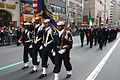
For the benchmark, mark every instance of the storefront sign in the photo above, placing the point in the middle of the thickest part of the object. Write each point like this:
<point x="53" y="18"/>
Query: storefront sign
<point x="9" y="6"/>
<point x="2" y="5"/>
<point x="28" y="18"/>
<point x="84" y="22"/>
<point x="26" y="8"/>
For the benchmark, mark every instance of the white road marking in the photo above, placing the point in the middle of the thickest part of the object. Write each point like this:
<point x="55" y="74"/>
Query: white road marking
<point x="98" y="68"/>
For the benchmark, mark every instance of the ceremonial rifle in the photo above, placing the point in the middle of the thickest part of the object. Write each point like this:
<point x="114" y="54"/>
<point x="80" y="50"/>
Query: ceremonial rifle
<point x="65" y="28"/>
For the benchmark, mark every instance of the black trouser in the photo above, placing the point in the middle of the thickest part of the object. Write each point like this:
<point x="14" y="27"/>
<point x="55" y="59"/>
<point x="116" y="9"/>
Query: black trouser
<point x="115" y="35"/>
<point x="27" y="51"/>
<point x="105" y="40"/>
<point x="91" y="41"/>
<point x="35" y="51"/>
<point x="110" y="38"/>
<point x="2" y="40"/>
<point x="47" y="53"/>
<point x="88" y="39"/>
<point x="100" y="44"/>
<point x="82" y="40"/>
<point x="58" y="62"/>
<point x="96" y="39"/>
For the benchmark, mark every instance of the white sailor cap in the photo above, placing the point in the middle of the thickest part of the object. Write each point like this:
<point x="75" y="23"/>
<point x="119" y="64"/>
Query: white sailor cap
<point x="36" y="18"/>
<point x="26" y="23"/>
<point x="61" y="23"/>
<point x="46" y="20"/>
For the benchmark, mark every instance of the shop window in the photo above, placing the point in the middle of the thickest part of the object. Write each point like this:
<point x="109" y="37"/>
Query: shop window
<point x="5" y="18"/>
<point x="56" y="8"/>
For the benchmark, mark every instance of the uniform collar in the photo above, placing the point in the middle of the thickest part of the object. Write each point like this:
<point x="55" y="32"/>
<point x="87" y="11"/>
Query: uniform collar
<point x="37" y="25"/>
<point x="46" y="29"/>
<point x="60" y="32"/>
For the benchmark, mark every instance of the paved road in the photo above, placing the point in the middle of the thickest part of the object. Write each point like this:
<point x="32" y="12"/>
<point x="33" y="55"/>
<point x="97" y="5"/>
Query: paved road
<point x="84" y="61"/>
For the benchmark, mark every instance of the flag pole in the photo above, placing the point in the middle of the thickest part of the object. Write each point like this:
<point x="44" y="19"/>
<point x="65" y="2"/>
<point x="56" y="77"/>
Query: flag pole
<point x="34" y="15"/>
<point x="65" y="28"/>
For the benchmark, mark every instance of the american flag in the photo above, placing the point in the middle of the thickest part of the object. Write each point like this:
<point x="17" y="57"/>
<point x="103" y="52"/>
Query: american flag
<point x="35" y="7"/>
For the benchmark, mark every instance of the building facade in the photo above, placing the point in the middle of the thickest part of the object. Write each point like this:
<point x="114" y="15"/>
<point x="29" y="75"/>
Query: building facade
<point x="114" y="13"/>
<point x="96" y="9"/>
<point x="75" y="10"/>
<point x="9" y="13"/>
<point x="58" y="8"/>
<point x="107" y="11"/>
<point x="26" y="11"/>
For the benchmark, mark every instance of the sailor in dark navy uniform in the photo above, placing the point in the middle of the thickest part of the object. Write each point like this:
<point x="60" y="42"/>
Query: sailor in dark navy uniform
<point x="82" y="33"/>
<point x="87" y="31"/>
<point x="26" y="39"/>
<point x="37" y="44"/>
<point x="50" y="37"/>
<point x="64" y="54"/>
<point x="105" y="35"/>
<point x="100" y="37"/>
<point x="95" y="35"/>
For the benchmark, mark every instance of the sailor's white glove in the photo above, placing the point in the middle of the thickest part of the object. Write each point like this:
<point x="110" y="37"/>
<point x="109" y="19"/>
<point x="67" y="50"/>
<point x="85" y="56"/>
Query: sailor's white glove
<point x="53" y="52"/>
<point x="19" y="41"/>
<point x="41" y="47"/>
<point x="61" y="51"/>
<point x="26" y="30"/>
<point x="35" y="41"/>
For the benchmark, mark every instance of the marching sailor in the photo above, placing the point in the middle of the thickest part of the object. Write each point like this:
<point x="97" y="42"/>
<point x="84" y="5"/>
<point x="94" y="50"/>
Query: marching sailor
<point x="37" y="43"/>
<point x="26" y="39"/>
<point x="64" y="54"/>
<point x="50" y="37"/>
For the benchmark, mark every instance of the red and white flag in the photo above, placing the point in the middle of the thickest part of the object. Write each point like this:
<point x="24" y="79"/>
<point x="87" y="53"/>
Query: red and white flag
<point x="35" y="6"/>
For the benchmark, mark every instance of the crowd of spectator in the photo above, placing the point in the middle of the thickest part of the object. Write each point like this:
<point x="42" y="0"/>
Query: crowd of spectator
<point x="10" y="35"/>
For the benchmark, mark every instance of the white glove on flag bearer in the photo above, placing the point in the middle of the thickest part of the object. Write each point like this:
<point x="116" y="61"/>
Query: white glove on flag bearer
<point x="61" y="51"/>
<point x="26" y="31"/>
<point x="19" y="41"/>
<point x="53" y="52"/>
<point x="41" y="47"/>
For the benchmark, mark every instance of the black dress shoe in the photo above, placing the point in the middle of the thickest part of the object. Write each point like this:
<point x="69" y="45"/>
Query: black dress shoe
<point x="25" y="67"/>
<point x="90" y="46"/>
<point x="68" y="76"/>
<point x="81" y="45"/>
<point x="33" y="71"/>
<point x="42" y="76"/>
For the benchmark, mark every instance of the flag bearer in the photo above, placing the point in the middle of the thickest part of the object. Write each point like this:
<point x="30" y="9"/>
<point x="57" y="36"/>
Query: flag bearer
<point x="64" y="54"/>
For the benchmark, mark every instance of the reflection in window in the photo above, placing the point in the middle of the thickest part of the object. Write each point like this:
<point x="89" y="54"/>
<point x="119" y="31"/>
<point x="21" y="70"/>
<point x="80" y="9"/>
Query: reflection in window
<point x="56" y="9"/>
